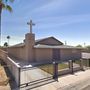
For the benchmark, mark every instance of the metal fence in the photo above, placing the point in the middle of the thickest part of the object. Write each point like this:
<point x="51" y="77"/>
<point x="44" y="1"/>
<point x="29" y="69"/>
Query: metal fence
<point x="36" y="75"/>
<point x="70" y="66"/>
<point x="41" y="74"/>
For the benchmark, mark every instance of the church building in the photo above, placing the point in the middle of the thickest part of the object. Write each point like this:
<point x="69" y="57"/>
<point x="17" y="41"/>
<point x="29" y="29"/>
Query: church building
<point x="43" y="50"/>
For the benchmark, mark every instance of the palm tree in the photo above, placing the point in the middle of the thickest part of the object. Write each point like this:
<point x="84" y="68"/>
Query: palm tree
<point x="5" y="44"/>
<point x="4" y="4"/>
<point x="8" y="37"/>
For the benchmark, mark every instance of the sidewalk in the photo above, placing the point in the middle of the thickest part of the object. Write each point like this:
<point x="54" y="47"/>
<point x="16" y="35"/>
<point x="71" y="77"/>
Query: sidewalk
<point x="78" y="81"/>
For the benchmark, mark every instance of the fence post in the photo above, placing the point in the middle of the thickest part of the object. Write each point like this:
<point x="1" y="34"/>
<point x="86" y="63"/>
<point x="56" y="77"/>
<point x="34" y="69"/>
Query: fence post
<point x="55" y="76"/>
<point x="71" y="66"/>
<point x="72" y="70"/>
<point x="19" y="76"/>
<point x="89" y="62"/>
<point x="81" y="64"/>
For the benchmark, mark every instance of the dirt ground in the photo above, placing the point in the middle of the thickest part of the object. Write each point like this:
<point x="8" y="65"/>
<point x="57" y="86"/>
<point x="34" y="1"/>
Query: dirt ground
<point x="4" y="80"/>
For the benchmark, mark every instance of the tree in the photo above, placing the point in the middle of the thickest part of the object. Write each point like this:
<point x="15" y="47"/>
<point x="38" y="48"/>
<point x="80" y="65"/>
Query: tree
<point x="8" y="37"/>
<point x="79" y="45"/>
<point x="4" y="4"/>
<point x="88" y="48"/>
<point x="5" y="44"/>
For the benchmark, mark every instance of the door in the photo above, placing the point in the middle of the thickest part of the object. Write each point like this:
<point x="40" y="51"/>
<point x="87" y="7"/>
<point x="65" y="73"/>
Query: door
<point x="56" y="54"/>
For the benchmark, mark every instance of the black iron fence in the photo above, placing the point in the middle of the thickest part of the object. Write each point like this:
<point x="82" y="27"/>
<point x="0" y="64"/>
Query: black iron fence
<point x="41" y="74"/>
<point x="36" y="75"/>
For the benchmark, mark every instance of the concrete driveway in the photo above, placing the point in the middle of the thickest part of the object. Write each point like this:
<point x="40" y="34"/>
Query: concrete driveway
<point x="32" y="74"/>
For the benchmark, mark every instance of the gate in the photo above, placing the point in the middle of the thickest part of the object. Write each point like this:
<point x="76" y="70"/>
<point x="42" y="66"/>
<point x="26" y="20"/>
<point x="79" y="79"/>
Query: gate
<point x="36" y="75"/>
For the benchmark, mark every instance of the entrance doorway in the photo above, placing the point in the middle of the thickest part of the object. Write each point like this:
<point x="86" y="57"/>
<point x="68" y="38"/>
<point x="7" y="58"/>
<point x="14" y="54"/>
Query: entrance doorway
<point x="56" y="54"/>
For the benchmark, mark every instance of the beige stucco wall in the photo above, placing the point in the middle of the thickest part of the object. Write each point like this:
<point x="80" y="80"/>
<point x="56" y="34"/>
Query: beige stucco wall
<point x="43" y="54"/>
<point x="25" y="52"/>
<point x="29" y="44"/>
<point x="18" y="52"/>
<point x="66" y="54"/>
<point x="12" y="66"/>
<point x="31" y="54"/>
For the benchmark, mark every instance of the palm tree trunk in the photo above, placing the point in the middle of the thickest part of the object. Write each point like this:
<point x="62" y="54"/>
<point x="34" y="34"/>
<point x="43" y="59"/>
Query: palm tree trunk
<point x="8" y="42"/>
<point x="0" y="22"/>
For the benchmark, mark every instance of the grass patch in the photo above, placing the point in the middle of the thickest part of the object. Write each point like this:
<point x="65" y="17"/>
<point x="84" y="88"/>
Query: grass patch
<point x="86" y="63"/>
<point x="77" y="62"/>
<point x="49" y="67"/>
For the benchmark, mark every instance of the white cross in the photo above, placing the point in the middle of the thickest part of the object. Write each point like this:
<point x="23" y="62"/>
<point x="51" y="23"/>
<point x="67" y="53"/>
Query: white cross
<point x="31" y="24"/>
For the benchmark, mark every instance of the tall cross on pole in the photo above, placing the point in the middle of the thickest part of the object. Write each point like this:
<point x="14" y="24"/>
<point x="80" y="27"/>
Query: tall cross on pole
<point x="31" y="24"/>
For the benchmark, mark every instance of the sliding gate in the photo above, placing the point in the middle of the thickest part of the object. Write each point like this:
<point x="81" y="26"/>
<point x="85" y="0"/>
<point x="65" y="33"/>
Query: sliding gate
<point x="37" y="75"/>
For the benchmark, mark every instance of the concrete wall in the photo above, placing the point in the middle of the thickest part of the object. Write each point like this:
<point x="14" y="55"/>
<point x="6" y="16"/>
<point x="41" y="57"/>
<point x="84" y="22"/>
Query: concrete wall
<point x="67" y="54"/>
<point x="24" y="52"/>
<point x="3" y="55"/>
<point x="18" y="52"/>
<point x="43" y="54"/>
<point x="29" y="44"/>
<point x="68" y="71"/>
<point x="13" y="67"/>
<point x="30" y="54"/>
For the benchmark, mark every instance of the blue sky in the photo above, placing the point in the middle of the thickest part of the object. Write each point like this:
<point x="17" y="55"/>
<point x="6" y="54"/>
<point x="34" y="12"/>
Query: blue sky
<point x="67" y="20"/>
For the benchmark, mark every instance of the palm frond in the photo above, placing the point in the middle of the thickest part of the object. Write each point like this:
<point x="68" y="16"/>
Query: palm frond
<point x="7" y="7"/>
<point x="3" y="6"/>
<point x="0" y="2"/>
<point x="8" y="37"/>
<point x="6" y="0"/>
<point x="9" y="1"/>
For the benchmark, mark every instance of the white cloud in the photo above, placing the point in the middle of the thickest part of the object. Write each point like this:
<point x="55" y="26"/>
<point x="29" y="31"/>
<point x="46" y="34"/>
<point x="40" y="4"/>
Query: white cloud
<point x="54" y="6"/>
<point x="62" y="20"/>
